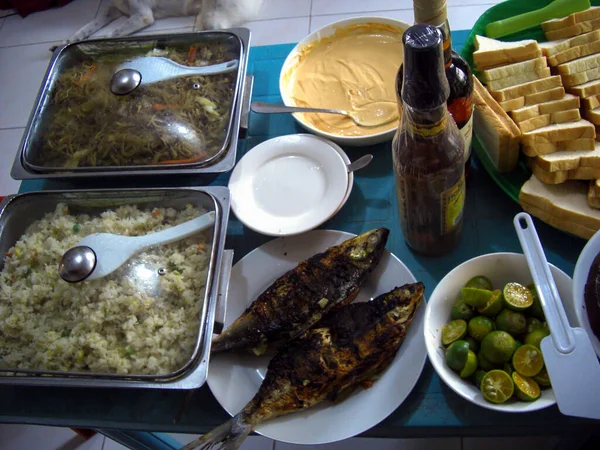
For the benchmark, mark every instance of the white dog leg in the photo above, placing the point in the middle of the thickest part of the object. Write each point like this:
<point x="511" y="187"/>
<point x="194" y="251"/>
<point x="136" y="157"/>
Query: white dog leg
<point x="135" y="23"/>
<point x="99" y="22"/>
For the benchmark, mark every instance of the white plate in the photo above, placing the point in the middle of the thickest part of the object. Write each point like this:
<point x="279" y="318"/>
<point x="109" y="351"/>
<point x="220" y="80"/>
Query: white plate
<point x="288" y="185"/>
<point x="234" y="378"/>
<point x="582" y="269"/>
<point x="500" y="268"/>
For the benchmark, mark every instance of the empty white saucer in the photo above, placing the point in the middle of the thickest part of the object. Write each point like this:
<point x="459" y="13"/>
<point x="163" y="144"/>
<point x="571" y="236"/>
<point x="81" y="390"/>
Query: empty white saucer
<point x="289" y="184"/>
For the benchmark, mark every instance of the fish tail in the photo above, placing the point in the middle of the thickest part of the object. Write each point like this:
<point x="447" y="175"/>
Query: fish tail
<point x="230" y="435"/>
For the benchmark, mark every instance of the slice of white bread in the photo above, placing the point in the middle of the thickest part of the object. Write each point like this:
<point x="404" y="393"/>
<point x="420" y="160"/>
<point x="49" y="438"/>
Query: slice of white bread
<point x="586" y="89"/>
<point x="592" y="115"/>
<point x="569" y="101"/>
<point x="575" y="145"/>
<point x="560" y="176"/>
<point x="579" y="65"/>
<point x="551" y="48"/>
<point x="510" y="70"/>
<point x="495" y="130"/>
<point x="591" y="102"/>
<point x="525" y="77"/>
<point x="576" y="79"/>
<point x="493" y="53"/>
<point x="571" y="19"/>
<point x="593" y="194"/>
<point x="573" y="30"/>
<point x="533" y="99"/>
<point x="571" y="115"/>
<point x="580" y="51"/>
<point x="524" y="89"/>
<point x="563" y="206"/>
<point x="559" y="132"/>
<point x="569" y="160"/>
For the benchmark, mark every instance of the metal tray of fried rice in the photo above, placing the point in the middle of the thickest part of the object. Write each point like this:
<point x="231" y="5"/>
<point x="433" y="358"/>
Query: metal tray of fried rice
<point x="147" y="325"/>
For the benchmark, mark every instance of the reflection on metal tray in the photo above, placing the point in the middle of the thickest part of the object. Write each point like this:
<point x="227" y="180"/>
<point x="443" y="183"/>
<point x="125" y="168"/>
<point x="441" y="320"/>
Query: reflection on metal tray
<point x="18" y="212"/>
<point x="188" y="124"/>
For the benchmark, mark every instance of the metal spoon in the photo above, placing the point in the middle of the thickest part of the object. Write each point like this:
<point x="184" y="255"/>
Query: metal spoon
<point x="370" y="115"/>
<point x="98" y="255"/>
<point x="151" y="69"/>
<point x="360" y="163"/>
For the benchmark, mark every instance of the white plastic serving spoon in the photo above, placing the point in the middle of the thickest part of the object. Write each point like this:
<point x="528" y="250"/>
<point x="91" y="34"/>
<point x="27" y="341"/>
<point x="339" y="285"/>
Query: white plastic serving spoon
<point x="568" y="353"/>
<point x="98" y="255"/>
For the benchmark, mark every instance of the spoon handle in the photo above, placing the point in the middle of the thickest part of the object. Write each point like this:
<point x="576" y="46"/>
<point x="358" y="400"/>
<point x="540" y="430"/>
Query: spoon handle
<point x="562" y="334"/>
<point x="269" y="108"/>
<point x="176" y="233"/>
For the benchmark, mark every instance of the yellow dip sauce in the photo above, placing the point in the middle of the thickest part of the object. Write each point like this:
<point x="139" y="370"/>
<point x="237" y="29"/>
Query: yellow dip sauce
<point x="353" y="70"/>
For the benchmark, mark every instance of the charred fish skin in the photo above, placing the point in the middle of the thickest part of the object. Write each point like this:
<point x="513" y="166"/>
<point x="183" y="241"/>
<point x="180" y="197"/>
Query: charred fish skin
<point x="349" y="349"/>
<point x="302" y="296"/>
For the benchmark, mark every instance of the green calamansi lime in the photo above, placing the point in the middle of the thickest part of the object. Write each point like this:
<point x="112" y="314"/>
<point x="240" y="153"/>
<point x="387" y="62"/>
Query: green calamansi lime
<point x="470" y="366"/>
<point x="528" y="360"/>
<point x="511" y="321"/>
<point x="526" y="388"/>
<point x="498" y="347"/>
<point x="462" y="311"/>
<point x="478" y="377"/>
<point x="497" y="386"/>
<point x="517" y="297"/>
<point x="536" y="308"/>
<point x="535" y="337"/>
<point x="457" y="354"/>
<point x="533" y="324"/>
<point x="479" y="327"/>
<point x="453" y="331"/>
<point x="542" y="378"/>
<point x="475" y="297"/>
<point x="473" y="344"/>
<point x="484" y="364"/>
<point x="494" y="304"/>
<point x="480" y="282"/>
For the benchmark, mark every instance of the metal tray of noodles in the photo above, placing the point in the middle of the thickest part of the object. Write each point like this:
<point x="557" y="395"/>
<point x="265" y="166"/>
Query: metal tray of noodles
<point x="172" y="121"/>
<point x="147" y="325"/>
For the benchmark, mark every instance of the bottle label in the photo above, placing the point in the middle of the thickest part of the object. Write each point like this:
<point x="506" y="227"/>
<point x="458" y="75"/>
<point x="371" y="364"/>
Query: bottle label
<point x="428" y="131"/>
<point x="467" y="134"/>
<point x="452" y="206"/>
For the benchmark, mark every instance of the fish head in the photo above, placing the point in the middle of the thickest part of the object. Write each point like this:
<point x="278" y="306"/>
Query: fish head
<point x="368" y="247"/>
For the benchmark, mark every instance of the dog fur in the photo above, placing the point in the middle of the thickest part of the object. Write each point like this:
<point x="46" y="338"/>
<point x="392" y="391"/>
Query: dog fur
<point x="210" y="15"/>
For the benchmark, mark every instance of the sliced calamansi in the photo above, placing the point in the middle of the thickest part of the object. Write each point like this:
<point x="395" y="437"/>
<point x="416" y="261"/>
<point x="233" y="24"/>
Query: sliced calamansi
<point x="527" y="389"/>
<point x="528" y="360"/>
<point x="480" y="282"/>
<point x="542" y="378"/>
<point x="453" y="331"/>
<point x="493" y="306"/>
<point x="470" y="366"/>
<point x="497" y="386"/>
<point x="517" y="296"/>
<point x="475" y="297"/>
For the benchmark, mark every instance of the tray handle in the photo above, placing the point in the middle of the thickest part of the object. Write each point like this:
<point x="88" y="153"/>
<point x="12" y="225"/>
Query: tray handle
<point x="221" y="306"/>
<point x="246" y="99"/>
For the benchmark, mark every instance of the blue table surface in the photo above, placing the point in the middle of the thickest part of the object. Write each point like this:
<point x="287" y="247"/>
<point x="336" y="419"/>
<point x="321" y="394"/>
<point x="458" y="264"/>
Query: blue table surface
<point x="431" y="409"/>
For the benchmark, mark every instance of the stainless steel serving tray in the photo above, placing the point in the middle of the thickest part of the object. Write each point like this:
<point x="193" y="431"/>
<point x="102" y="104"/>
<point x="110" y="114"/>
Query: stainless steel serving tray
<point x="23" y="168"/>
<point x="17" y="212"/>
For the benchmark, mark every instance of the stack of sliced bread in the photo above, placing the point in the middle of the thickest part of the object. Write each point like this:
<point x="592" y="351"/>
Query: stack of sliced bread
<point x="573" y="52"/>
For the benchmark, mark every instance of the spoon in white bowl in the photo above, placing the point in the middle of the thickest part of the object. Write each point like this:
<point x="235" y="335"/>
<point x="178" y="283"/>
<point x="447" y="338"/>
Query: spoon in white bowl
<point x="98" y="255"/>
<point x="371" y="115"/>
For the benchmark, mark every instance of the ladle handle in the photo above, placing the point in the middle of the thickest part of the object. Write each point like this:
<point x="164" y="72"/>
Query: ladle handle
<point x="177" y="232"/>
<point x="270" y="108"/>
<point x="561" y="332"/>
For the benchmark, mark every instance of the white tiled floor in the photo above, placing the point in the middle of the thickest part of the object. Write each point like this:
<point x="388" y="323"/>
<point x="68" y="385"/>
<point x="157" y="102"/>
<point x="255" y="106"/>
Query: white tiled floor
<point x="24" y="56"/>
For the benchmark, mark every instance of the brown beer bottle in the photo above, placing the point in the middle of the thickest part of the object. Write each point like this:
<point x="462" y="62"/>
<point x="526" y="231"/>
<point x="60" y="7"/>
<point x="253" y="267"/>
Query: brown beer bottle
<point x="458" y="72"/>
<point x="428" y="150"/>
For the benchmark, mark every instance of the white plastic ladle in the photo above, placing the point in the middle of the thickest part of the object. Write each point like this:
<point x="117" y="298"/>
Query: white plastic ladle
<point x="98" y="255"/>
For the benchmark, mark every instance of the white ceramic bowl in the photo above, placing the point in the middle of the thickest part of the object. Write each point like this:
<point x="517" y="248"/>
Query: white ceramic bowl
<point x="285" y="88"/>
<point x="500" y="268"/>
<point x="582" y="269"/>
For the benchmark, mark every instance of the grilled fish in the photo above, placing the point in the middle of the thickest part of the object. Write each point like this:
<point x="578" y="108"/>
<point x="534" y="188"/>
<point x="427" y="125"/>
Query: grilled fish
<point x="349" y="348"/>
<point x="298" y="299"/>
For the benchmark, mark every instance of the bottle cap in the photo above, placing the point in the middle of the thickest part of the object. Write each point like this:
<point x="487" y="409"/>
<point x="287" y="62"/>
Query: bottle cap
<point x="425" y="85"/>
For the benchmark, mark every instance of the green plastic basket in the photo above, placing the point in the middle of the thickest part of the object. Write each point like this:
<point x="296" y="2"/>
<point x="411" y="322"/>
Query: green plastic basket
<point x="509" y="182"/>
